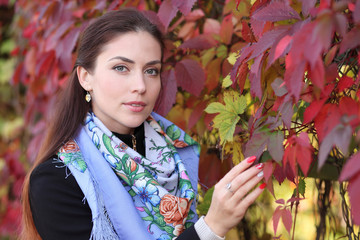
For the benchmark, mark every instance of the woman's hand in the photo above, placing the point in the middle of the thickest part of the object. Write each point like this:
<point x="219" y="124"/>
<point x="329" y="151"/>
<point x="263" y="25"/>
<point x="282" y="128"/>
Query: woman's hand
<point x="232" y="196"/>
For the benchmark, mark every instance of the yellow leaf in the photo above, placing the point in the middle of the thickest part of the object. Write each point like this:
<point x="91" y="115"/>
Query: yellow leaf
<point x="232" y="58"/>
<point x="226" y="82"/>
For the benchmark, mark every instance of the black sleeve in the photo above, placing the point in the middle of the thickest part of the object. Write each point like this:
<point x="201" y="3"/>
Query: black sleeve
<point x="57" y="204"/>
<point x="189" y="234"/>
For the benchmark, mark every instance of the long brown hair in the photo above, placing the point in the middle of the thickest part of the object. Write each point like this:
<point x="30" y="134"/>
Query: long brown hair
<point x="71" y="108"/>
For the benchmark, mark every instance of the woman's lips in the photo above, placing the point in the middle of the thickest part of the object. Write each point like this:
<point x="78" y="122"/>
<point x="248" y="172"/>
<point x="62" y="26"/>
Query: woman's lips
<point x="135" y="106"/>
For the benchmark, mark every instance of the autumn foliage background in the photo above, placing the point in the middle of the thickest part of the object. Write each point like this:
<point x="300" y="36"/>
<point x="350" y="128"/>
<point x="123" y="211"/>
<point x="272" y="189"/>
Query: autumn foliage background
<point x="275" y="79"/>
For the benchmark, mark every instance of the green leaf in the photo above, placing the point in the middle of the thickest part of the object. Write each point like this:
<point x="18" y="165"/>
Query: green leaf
<point x="203" y="207"/>
<point x="107" y="144"/>
<point x="147" y="211"/>
<point x="302" y="187"/>
<point x="215" y="107"/>
<point x="226" y="82"/>
<point x="234" y="102"/>
<point x="188" y="224"/>
<point x="173" y="132"/>
<point x="159" y="220"/>
<point x="142" y="174"/>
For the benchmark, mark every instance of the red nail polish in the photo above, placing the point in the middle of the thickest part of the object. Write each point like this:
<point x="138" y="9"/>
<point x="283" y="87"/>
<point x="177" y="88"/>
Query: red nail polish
<point x="262" y="186"/>
<point x="259" y="166"/>
<point x="251" y="159"/>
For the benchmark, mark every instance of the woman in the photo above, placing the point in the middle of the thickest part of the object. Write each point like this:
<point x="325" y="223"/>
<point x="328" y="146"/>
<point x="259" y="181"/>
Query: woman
<point x="109" y="167"/>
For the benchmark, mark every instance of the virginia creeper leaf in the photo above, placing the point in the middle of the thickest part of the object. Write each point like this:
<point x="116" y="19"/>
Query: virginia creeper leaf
<point x="200" y="42"/>
<point x="307" y="5"/>
<point x="279" y="87"/>
<point x="339" y="136"/>
<point x="276" y="11"/>
<point x="168" y="92"/>
<point x="226" y="29"/>
<point x="276" y="217"/>
<point x="287" y="219"/>
<point x="313" y="109"/>
<point x="184" y="6"/>
<point x="167" y="12"/>
<point x="275" y="146"/>
<point x="351" y="168"/>
<point x="190" y="76"/>
<point x="354" y="194"/>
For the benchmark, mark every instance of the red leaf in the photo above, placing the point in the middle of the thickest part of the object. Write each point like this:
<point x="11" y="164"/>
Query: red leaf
<point x="167" y="12"/>
<point x="184" y="6"/>
<point x="190" y="76"/>
<point x="226" y="29"/>
<point x="351" y="168"/>
<point x="276" y="11"/>
<point x="313" y="109"/>
<point x="294" y="76"/>
<point x="354" y="194"/>
<point x="307" y="5"/>
<point x="154" y="18"/>
<point x="197" y="113"/>
<point x="328" y="117"/>
<point x="279" y="174"/>
<point x="344" y="83"/>
<point x="280" y="201"/>
<point x="201" y="42"/>
<point x="304" y="152"/>
<point x="268" y="170"/>
<point x="168" y="92"/>
<point x="286" y="111"/>
<point x="350" y="111"/>
<point x="287" y="219"/>
<point x="317" y="73"/>
<point x="195" y="15"/>
<point x="246" y="32"/>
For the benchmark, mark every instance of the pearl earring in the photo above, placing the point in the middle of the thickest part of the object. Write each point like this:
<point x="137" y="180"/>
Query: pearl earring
<point x="87" y="97"/>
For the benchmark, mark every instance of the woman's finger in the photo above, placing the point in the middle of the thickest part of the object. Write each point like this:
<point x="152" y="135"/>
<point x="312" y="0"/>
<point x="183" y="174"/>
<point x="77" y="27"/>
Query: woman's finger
<point x="245" y="176"/>
<point x="246" y="188"/>
<point x="235" y="171"/>
<point x="250" y="198"/>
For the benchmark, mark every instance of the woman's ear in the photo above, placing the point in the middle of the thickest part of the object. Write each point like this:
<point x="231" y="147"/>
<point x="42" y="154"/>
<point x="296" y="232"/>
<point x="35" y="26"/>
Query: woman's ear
<point x="84" y="78"/>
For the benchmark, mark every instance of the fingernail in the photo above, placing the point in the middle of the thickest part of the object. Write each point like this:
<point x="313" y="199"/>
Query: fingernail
<point x="262" y="186"/>
<point x="259" y="166"/>
<point x="260" y="174"/>
<point x="251" y="159"/>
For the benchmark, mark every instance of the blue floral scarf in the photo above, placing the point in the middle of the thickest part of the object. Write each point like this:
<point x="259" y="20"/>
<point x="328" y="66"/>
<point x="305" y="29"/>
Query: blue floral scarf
<point x="159" y="190"/>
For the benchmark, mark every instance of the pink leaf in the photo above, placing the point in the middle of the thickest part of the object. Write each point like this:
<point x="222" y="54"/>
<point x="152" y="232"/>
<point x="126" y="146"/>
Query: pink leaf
<point x="276" y="218"/>
<point x="255" y="77"/>
<point x="317" y="73"/>
<point x="354" y="194"/>
<point x="307" y="5"/>
<point x="286" y="111"/>
<point x="154" y="18"/>
<point x="195" y="15"/>
<point x="350" y="41"/>
<point x="190" y="76"/>
<point x="257" y="27"/>
<point x="256" y="145"/>
<point x="200" y="42"/>
<point x="276" y="11"/>
<point x="351" y="168"/>
<point x="279" y="174"/>
<point x="68" y="44"/>
<point x="279" y="87"/>
<point x="280" y="49"/>
<point x="356" y="13"/>
<point x="168" y="92"/>
<point x="339" y="136"/>
<point x="167" y="12"/>
<point x="212" y="26"/>
<point x="287" y="219"/>
<point x="184" y="6"/>
<point x="275" y="146"/>
<point x="294" y="76"/>
<point x="304" y="152"/>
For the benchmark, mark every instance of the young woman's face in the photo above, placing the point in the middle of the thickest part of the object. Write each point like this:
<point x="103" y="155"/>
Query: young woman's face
<point x="125" y="82"/>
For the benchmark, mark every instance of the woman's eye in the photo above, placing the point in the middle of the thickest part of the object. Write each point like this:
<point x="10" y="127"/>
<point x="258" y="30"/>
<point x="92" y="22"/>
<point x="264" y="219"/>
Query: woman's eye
<point x="152" y="71"/>
<point x="120" y="68"/>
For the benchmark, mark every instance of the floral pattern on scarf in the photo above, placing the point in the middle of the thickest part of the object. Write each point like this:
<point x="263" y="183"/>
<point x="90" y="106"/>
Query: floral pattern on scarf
<point x="163" y="199"/>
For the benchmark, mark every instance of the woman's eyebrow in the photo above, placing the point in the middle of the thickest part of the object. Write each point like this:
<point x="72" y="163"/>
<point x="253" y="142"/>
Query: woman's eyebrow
<point x="121" y="58"/>
<point x="131" y="61"/>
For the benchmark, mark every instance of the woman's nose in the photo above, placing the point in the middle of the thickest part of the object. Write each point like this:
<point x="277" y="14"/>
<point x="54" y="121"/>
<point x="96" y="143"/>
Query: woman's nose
<point x="138" y="84"/>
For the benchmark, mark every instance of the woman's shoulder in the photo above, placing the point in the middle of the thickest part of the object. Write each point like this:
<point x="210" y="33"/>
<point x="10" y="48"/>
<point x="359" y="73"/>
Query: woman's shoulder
<point x="52" y="175"/>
